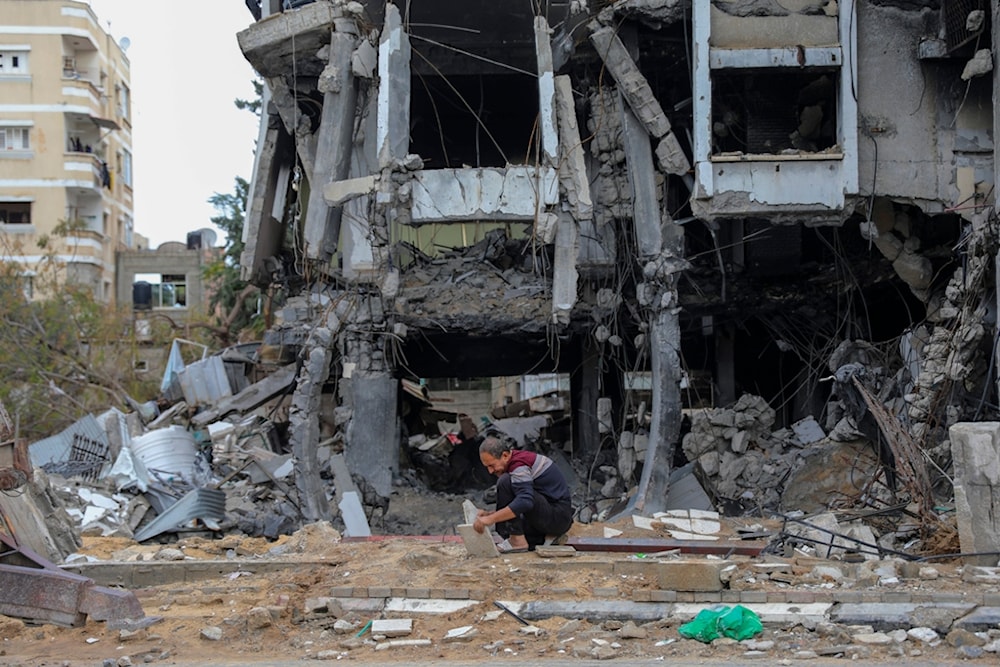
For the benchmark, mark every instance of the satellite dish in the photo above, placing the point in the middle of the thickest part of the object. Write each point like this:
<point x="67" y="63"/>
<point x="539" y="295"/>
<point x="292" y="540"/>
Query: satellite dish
<point x="124" y="43"/>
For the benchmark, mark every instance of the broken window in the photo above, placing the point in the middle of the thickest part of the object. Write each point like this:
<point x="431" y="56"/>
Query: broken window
<point x="164" y="290"/>
<point x="773" y="111"/>
<point x="473" y="101"/>
<point x="472" y="120"/>
<point x="965" y="21"/>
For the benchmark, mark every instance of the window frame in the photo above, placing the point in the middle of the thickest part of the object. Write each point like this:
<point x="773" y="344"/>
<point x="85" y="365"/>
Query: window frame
<point x="9" y="130"/>
<point x="22" y="207"/>
<point x="14" y="60"/>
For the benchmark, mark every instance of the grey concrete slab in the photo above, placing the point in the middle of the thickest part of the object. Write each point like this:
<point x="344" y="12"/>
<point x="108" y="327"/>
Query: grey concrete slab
<point x="479" y="545"/>
<point x="980" y="619"/>
<point x="591" y="610"/>
<point x="885" y="616"/>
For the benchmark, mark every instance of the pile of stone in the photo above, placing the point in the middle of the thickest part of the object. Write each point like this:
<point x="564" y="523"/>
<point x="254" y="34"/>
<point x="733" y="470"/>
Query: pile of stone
<point x="738" y="455"/>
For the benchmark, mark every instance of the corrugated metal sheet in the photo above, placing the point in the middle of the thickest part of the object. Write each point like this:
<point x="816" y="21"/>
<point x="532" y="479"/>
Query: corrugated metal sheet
<point x="205" y="382"/>
<point x="58" y="448"/>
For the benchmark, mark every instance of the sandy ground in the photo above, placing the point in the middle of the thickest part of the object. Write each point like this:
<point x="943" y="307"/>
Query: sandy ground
<point x="261" y="618"/>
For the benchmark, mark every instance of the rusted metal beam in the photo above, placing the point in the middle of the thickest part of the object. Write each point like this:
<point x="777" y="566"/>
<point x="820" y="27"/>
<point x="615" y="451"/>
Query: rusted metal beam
<point x="653" y="545"/>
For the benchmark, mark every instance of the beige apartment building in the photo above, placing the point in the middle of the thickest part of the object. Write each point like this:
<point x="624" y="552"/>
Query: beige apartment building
<point x="65" y="142"/>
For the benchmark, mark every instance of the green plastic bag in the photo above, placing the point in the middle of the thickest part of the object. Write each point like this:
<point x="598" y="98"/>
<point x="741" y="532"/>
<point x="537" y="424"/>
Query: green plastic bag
<point x="737" y="623"/>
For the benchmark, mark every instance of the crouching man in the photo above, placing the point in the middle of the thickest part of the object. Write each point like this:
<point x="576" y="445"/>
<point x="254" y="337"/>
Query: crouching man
<point x="533" y="499"/>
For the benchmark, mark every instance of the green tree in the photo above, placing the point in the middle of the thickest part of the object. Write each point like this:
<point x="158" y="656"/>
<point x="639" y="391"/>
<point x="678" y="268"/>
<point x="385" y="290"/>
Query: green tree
<point x="61" y="353"/>
<point x="233" y="302"/>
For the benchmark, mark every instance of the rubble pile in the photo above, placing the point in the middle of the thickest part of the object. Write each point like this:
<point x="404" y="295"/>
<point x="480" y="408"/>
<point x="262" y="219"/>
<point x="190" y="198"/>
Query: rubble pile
<point x="738" y="454"/>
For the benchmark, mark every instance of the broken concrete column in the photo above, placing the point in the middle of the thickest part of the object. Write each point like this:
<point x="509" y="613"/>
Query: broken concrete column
<point x="546" y="92"/>
<point x="975" y="450"/>
<point x="642" y="177"/>
<point x="373" y="433"/>
<point x="265" y="201"/>
<point x="573" y="177"/>
<point x="304" y="425"/>
<point x="333" y="147"/>
<point x="633" y="84"/>
<point x="393" y="133"/>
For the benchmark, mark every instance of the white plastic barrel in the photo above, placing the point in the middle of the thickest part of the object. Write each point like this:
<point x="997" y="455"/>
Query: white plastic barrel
<point x="168" y="450"/>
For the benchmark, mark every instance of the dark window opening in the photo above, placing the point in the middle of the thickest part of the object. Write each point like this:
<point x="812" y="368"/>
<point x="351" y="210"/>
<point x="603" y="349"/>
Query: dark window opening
<point x="444" y="129"/>
<point x="773" y="111"/>
<point x="15" y="213"/>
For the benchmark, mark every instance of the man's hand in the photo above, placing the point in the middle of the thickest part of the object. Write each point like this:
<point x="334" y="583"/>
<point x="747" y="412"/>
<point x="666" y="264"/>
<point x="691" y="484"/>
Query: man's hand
<point x="482" y="521"/>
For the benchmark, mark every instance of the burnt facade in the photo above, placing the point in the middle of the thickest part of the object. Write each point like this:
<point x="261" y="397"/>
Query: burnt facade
<point x="728" y="197"/>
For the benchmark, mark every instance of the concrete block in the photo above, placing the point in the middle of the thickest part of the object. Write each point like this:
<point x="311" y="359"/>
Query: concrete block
<point x="478" y="545"/>
<point x="690" y="575"/>
<point x="975" y="449"/>
<point x="427" y="606"/>
<point x="980" y="620"/>
<point x="392" y="627"/>
<point x="805" y="614"/>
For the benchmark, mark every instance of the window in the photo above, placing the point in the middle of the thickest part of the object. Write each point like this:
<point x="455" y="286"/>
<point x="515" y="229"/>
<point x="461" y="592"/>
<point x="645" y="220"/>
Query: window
<point x="126" y="168"/>
<point x="165" y="290"/>
<point x="15" y="213"/>
<point x="13" y="61"/>
<point x="124" y="101"/>
<point x="129" y="230"/>
<point x="15" y="138"/>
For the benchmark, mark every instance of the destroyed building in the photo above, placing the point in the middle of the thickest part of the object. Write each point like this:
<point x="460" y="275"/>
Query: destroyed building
<point x="785" y="202"/>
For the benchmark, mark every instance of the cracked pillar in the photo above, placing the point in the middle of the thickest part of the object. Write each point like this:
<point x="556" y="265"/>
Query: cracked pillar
<point x="266" y="198"/>
<point x="393" y="133"/>
<point x="333" y="146"/>
<point x="304" y="425"/>
<point x="585" y="389"/>
<point x="372" y="393"/>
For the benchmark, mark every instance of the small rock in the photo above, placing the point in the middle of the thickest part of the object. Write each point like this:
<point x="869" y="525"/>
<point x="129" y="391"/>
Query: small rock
<point x="129" y="635"/>
<point x="967" y="651"/>
<point x="805" y="655"/>
<point x="874" y="638"/>
<point x="463" y="634"/>
<point x="925" y="635"/>
<point x="754" y="645"/>
<point x="124" y="661"/>
<point x="604" y="652"/>
<point x="898" y="636"/>
<point x="169" y="553"/>
<point x="212" y="633"/>
<point x="343" y="627"/>
<point x="929" y="573"/>
<point x="959" y="638"/>
<point x="532" y="630"/>
<point x="569" y="628"/>
<point x="258" y="618"/>
<point x="328" y="655"/>
<point x="631" y="631"/>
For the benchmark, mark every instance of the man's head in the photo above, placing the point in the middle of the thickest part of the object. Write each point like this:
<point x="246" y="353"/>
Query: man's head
<point x="495" y="455"/>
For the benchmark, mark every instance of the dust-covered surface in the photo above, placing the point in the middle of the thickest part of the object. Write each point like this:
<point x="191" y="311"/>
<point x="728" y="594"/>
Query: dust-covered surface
<point x="260" y="617"/>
